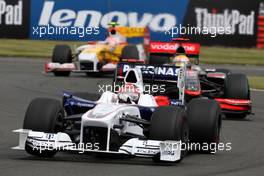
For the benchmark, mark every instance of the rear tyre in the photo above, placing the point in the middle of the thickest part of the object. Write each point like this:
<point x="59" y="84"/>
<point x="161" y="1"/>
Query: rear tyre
<point x="45" y="115"/>
<point x="169" y="123"/>
<point x="236" y="87"/>
<point x="204" y="117"/>
<point x="158" y="59"/>
<point x="62" y="54"/>
<point x="130" y="52"/>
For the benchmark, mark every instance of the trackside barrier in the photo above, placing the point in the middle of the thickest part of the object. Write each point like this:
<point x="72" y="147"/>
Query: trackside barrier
<point x="260" y="35"/>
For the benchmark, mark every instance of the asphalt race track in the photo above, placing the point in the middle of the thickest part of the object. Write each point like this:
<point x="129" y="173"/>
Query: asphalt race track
<point x="22" y="80"/>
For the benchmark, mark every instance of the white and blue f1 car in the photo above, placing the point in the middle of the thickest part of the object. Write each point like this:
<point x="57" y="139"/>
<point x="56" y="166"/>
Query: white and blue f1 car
<point x="124" y="123"/>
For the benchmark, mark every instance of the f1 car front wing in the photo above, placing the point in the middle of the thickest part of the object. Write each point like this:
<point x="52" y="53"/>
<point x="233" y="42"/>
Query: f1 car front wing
<point x="234" y="105"/>
<point x="168" y="150"/>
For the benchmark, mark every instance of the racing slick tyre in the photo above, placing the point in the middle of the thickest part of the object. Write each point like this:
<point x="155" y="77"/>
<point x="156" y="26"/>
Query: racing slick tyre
<point x="169" y="123"/>
<point x="130" y="52"/>
<point x="236" y="87"/>
<point x="204" y="118"/>
<point x="62" y="54"/>
<point x="45" y="115"/>
<point x="158" y="59"/>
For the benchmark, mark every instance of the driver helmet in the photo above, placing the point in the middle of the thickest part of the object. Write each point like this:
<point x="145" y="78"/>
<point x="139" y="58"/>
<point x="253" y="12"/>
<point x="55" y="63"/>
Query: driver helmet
<point x="114" y="37"/>
<point x="129" y="93"/>
<point x="180" y="57"/>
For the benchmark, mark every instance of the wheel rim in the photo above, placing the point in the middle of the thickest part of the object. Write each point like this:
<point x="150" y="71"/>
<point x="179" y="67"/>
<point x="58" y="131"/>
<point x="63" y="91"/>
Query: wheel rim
<point x="59" y="122"/>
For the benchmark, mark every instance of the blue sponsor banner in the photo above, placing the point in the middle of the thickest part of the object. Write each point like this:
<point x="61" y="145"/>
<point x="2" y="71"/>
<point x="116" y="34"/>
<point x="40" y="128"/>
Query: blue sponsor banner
<point x="88" y="20"/>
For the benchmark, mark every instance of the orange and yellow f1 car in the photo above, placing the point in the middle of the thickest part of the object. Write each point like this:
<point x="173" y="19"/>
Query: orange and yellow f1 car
<point x="100" y="56"/>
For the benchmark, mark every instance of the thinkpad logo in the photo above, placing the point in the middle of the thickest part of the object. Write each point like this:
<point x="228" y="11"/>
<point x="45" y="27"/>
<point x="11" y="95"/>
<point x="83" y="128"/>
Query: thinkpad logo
<point x="11" y="14"/>
<point x="238" y="22"/>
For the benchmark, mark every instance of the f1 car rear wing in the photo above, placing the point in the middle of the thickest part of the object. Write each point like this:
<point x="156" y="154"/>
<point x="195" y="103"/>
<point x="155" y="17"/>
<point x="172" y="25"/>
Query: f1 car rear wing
<point x="164" y="73"/>
<point x="191" y="49"/>
<point x="133" y="32"/>
<point x="155" y="74"/>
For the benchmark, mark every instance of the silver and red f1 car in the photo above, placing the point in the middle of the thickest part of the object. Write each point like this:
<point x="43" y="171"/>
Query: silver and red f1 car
<point x="231" y="90"/>
<point x="125" y="123"/>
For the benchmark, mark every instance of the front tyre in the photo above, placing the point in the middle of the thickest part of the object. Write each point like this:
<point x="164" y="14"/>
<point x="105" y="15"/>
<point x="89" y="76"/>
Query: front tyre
<point x="204" y="117"/>
<point x="44" y="115"/>
<point x="236" y="87"/>
<point x="130" y="52"/>
<point x="169" y="123"/>
<point x="62" y="54"/>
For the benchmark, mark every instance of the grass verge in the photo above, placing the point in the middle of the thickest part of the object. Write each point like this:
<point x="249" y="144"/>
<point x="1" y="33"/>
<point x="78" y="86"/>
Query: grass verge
<point x="256" y="82"/>
<point x="209" y="55"/>
<point x="223" y="55"/>
<point x="31" y="48"/>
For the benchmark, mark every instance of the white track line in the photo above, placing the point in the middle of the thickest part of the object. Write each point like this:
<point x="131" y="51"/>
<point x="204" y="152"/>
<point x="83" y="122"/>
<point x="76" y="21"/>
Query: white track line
<point x="257" y="90"/>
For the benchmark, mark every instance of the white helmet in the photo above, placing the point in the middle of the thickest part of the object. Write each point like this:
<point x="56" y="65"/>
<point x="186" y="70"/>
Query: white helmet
<point x="129" y="93"/>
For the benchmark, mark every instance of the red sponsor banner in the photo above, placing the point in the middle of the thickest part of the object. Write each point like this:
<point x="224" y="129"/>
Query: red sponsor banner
<point x="170" y="47"/>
